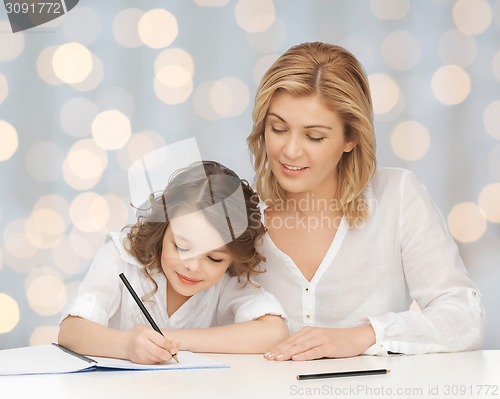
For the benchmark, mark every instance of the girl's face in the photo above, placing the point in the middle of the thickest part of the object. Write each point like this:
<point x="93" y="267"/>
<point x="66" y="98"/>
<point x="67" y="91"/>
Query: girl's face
<point x="304" y="143"/>
<point x="193" y="256"/>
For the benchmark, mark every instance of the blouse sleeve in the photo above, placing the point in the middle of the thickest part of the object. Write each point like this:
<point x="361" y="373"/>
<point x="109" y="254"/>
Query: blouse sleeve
<point x="98" y="295"/>
<point x="239" y="302"/>
<point x="452" y="316"/>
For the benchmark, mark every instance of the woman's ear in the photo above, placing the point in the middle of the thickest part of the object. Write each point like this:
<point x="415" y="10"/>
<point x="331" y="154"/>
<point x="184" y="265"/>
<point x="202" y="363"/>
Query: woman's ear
<point x="349" y="145"/>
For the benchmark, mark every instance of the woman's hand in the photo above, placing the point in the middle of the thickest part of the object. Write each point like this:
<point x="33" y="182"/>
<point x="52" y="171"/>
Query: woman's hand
<point x="316" y="342"/>
<point x="146" y="346"/>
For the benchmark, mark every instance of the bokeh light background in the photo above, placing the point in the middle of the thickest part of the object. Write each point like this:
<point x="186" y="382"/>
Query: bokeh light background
<point x="84" y="96"/>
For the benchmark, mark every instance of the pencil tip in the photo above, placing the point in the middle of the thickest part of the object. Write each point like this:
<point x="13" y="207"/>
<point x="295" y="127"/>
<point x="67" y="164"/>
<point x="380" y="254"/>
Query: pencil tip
<point x="388" y="370"/>
<point x="175" y="358"/>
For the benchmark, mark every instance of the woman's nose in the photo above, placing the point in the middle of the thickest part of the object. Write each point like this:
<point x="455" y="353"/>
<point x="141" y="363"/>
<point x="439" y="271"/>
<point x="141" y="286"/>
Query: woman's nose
<point x="293" y="147"/>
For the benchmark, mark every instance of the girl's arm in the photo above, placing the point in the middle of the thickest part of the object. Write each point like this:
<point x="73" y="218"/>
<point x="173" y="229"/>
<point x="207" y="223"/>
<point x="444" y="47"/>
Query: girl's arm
<point x="256" y="336"/>
<point x="140" y="344"/>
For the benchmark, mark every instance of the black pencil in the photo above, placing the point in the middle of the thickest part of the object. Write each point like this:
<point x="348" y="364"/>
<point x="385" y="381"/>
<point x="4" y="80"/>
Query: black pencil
<point x="143" y="308"/>
<point x="342" y="374"/>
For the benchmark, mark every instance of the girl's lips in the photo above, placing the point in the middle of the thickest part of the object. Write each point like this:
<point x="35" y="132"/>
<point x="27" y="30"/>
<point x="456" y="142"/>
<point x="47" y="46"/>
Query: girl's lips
<point x="187" y="280"/>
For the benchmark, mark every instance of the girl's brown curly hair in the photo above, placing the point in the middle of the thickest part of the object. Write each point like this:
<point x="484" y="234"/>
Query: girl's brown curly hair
<point x="197" y="188"/>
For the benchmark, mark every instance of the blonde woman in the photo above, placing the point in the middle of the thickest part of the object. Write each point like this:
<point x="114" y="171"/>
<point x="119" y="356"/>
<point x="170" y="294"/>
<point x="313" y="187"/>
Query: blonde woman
<point x="349" y="246"/>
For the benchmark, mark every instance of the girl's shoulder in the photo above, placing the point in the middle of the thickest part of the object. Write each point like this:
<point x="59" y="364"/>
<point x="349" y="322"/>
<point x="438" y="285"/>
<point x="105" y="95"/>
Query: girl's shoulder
<point x="116" y="242"/>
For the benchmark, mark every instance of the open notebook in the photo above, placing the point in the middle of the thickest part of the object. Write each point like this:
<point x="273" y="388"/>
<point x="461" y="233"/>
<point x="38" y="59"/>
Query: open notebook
<point x="56" y="359"/>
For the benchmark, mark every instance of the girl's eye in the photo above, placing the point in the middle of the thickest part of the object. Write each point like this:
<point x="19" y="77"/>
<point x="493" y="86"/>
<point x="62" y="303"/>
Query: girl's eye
<point x="316" y="139"/>
<point x="215" y="260"/>
<point x="180" y="249"/>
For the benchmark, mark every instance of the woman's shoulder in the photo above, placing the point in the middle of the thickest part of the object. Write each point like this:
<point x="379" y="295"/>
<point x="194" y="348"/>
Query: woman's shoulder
<point x="390" y="178"/>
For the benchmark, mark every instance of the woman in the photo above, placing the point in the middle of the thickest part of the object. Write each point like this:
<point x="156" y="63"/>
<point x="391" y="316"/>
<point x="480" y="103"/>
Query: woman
<point x="349" y="247"/>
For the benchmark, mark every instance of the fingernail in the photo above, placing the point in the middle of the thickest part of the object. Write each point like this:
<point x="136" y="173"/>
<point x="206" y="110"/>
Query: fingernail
<point x="267" y="354"/>
<point x="279" y="356"/>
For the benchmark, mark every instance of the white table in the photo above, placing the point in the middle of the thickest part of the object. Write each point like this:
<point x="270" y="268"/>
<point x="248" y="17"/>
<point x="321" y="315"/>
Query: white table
<point x="455" y="375"/>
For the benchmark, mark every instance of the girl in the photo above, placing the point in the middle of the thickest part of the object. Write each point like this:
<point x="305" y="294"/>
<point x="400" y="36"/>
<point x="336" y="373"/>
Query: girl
<point x="348" y="247"/>
<point x="191" y="258"/>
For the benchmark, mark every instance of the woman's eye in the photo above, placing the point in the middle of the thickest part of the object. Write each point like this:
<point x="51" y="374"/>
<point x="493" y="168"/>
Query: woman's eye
<point x="316" y="139"/>
<point x="275" y="130"/>
<point x="215" y="260"/>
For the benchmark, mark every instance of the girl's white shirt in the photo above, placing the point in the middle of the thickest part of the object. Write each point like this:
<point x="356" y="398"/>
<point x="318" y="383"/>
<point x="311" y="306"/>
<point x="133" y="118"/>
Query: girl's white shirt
<point x="371" y="274"/>
<point x="102" y="297"/>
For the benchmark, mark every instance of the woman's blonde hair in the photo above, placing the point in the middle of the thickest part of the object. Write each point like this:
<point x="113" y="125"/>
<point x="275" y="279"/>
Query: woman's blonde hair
<point x="339" y="80"/>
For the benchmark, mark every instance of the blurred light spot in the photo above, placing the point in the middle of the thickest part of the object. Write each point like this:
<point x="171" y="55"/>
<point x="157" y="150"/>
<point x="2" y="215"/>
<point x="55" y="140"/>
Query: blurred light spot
<point x="4" y="88"/>
<point x="84" y="164"/>
<point x="491" y="120"/>
<point x="157" y="28"/>
<point x="410" y="140"/>
<point x="472" y="16"/>
<point x="270" y="40"/>
<point x="385" y="92"/>
<point x="467" y="222"/>
<point x="125" y="27"/>
<point x="44" y="161"/>
<point x="44" y="334"/>
<point x="72" y="62"/>
<point x="211" y="3"/>
<point x="118" y="218"/>
<point x="494" y="162"/>
<point x="76" y="116"/>
<point x="173" y="84"/>
<point x="496" y="64"/>
<point x="46" y="294"/>
<point x="80" y="245"/>
<point x="201" y="101"/>
<point x="255" y="15"/>
<point x="451" y="84"/>
<point x="45" y="68"/>
<point x="489" y="201"/>
<point x="140" y="144"/>
<point x="229" y="97"/>
<point x="174" y="56"/>
<point x="94" y="78"/>
<point x="115" y="98"/>
<point x="111" y="129"/>
<point x="401" y="50"/>
<point x="18" y="246"/>
<point x="262" y="65"/>
<point x="84" y="33"/>
<point x="10" y="311"/>
<point x="48" y="221"/>
<point x="11" y="44"/>
<point x="67" y="260"/>
<point x="457" y="47"/>
<point x="390" y="9"/>
<point x="89" y="212"/>
<point x="8" y="138"/>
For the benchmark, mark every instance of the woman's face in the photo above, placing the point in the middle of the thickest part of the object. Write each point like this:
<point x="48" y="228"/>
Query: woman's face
<point x="304" y="143"/>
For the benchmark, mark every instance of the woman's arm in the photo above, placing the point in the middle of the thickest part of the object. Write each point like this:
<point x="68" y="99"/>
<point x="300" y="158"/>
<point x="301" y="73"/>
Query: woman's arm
<point x="256" y="336"/>
<point x="140" y="344"/>
<point x="316" y="342"/>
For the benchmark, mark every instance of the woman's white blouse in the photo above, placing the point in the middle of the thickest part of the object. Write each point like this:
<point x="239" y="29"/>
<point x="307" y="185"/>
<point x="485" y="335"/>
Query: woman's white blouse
<point x="371" y="274"/>
<point x="102" y="297"/>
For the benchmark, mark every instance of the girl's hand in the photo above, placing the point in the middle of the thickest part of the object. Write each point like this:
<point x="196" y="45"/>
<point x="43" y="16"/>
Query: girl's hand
<point x="146" y="346"/>
<point x="315" y="343"/>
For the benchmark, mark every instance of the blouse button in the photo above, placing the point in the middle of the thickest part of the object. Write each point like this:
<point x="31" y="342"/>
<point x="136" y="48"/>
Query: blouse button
<point x="308" y="315"/>
<point x="307" y="289"/>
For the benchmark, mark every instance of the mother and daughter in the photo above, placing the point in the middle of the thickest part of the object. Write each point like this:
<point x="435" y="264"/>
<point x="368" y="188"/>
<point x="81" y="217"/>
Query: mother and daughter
<point x="331" y="256"/>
